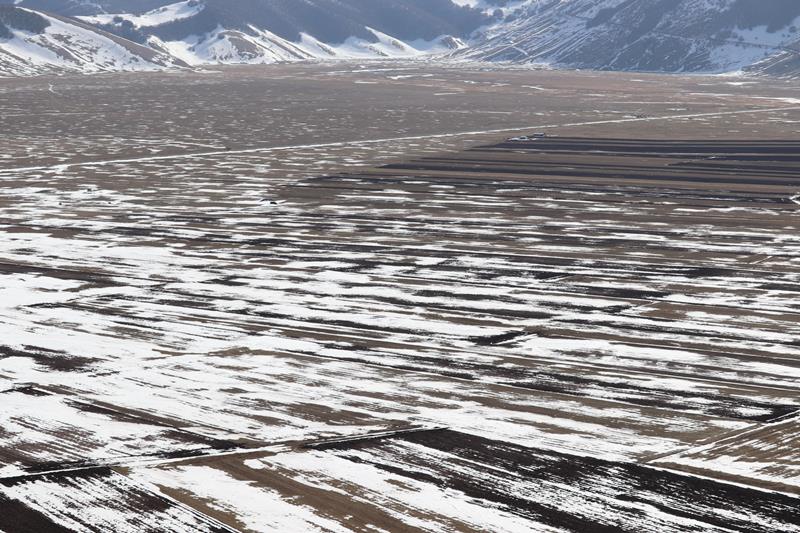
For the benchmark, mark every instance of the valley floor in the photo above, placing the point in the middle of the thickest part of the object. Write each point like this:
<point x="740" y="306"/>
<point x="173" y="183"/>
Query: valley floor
<point x="339" y="298"/>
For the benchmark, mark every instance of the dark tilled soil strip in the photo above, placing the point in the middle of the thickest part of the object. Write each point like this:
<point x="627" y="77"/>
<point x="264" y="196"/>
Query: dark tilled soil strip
<point x="87" y="489"/>
<point x="604" y="496"/>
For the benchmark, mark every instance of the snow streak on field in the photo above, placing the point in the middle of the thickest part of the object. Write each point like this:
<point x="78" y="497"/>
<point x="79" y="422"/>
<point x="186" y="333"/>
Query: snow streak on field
<point x="559" y="334"/>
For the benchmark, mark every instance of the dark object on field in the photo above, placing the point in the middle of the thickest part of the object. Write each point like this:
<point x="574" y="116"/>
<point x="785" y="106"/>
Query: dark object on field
<point x="531" y="137"/>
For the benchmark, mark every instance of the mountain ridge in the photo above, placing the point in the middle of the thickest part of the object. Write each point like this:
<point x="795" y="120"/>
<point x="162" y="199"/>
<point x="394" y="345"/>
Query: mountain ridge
<point x="641" y="35"/>
<point x="679" y="36"/>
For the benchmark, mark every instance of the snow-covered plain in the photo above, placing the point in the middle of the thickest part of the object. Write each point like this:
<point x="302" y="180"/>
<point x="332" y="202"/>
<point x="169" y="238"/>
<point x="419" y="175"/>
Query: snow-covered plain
<point x="243" y="332"/>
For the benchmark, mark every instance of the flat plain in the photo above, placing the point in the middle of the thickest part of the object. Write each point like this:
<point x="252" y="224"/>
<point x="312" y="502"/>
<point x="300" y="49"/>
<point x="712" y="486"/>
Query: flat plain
<point x="365" y="297"/>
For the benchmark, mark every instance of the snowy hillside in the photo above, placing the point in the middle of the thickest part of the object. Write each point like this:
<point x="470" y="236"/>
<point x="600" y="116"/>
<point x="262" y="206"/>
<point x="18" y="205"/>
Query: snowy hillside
<point x="647" y="35"/>
<point x="266" y="31"/>
<point x="204" y="32"/>
<point x="34" y="43"/>
<point x="262" y="46"/>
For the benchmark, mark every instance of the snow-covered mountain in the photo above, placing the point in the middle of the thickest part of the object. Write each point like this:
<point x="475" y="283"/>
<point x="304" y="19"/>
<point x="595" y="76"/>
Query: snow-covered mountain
<point x="648" y="35"/>
<point x="36" y="43"/>
<point x="265" y="31"/>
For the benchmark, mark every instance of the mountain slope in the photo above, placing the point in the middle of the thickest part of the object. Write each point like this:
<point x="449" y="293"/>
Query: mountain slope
<point x="35" y="43"/>
<point x="74" y="8"/>
<point x="647" y="35"/>
<point x="264" y="31"/>
<point x="759" y="36"/>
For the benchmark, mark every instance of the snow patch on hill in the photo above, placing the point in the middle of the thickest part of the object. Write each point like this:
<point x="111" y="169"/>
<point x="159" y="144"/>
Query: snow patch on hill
<point x="156" y="17"/>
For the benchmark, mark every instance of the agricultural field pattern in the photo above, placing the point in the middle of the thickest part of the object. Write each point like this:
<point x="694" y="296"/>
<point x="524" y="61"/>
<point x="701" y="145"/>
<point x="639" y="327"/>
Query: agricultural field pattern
<point x="399" y="297"/>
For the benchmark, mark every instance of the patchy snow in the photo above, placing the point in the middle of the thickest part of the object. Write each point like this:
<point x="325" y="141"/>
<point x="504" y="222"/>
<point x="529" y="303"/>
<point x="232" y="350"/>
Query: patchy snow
<point x="257" y="508"/>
